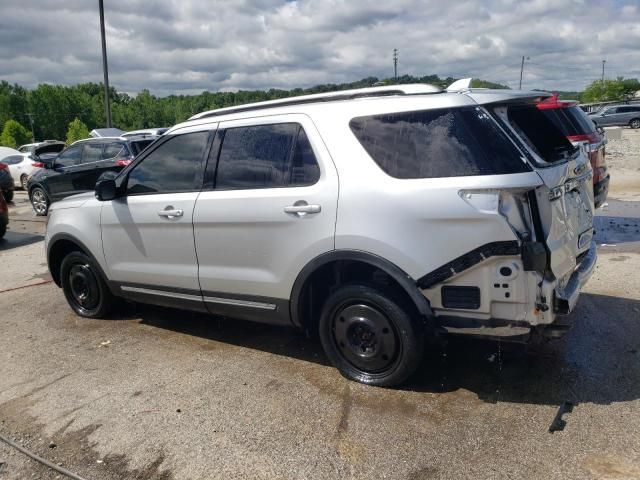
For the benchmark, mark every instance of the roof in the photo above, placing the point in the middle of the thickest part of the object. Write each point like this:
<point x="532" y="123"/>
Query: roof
<point x="7" y="151"/>
<point x="407" y="89"/>
<point x="406" y="97"/>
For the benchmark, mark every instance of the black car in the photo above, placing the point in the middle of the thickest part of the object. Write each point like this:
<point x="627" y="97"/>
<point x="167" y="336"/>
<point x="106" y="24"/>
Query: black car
<point x="77" y="168"/>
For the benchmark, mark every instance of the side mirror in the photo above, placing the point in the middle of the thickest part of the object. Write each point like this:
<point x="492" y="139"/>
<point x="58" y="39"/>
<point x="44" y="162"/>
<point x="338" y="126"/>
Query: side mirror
<point x="106" y="190"/>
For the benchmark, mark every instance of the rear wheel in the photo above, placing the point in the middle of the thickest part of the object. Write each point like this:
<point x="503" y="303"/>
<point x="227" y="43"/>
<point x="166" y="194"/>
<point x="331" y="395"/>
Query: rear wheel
<point x="635" y="123"/>
<point x="84" y="288"/>
<point x="8" y="195"/>
<point x="370" y="336"/>
<point x="23" y="181"/>
<point x="3" y="230"/>
<point x="39" y="201"/>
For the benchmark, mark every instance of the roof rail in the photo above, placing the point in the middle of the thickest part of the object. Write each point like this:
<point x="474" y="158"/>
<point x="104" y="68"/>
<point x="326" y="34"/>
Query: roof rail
<point x="387" y="90"/>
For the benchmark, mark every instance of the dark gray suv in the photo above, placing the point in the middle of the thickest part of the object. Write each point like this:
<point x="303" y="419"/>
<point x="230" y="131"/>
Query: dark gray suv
<point x="617" y="115"/>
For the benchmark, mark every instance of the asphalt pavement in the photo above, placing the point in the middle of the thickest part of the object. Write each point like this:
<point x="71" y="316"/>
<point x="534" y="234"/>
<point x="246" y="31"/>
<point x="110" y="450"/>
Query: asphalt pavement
<point x="159" y="393"/>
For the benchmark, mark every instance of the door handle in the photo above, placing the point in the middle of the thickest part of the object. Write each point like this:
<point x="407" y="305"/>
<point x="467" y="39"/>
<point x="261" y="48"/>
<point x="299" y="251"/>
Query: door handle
<point x="170" y="212"/>
<point x="303" y="209"/>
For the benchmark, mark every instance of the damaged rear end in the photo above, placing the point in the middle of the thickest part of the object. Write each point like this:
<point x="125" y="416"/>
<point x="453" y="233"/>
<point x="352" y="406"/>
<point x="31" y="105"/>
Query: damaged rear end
<point x="510" y="289"/>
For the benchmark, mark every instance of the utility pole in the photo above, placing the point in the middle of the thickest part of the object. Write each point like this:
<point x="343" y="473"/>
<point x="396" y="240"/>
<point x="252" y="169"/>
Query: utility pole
<point x="33" y="135"/>
<point x="107" y="106"/>
<point x="395" y="65"/>
<point x="521" y="70"/>
<point x="603" y="62"/>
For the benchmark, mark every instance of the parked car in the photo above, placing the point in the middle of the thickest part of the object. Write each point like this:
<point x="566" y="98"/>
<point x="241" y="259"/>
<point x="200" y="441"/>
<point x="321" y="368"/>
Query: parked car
<point x="580" y="130"/>
<point x="30" y="147"/>
<point x="145" y="132"/>
<point x="6" y="182"/>
<point x="77" y="168"/>
<point x="617" y="115"/>
<point x="23" y="165"/>
<point x="371" y="217"/>
<point x="4" y="216"/>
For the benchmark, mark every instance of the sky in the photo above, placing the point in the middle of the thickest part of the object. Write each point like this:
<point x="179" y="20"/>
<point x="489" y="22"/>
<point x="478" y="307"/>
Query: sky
<point x="187" y="46"/>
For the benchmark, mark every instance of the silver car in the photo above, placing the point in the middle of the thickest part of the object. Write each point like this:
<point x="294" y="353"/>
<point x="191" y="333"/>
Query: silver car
<point x="372" y="217"/>
<point x="617" y="115"/>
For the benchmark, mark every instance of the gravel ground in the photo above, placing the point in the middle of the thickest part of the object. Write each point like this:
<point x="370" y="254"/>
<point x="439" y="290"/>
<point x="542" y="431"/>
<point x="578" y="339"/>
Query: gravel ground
<point x="623" y="159"/>
<point x="157" y="393"/>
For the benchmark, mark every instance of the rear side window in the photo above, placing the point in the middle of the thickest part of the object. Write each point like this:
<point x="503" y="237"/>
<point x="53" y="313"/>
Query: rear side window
<point x="172" y="167"/>
<point x="140" y="145"/>
<point x="438" y="143"/>
<point x="71" y="156"/>
<point x="266" y="156"/>
<point x="12" y="160"/>
<point x="570" y="120"/>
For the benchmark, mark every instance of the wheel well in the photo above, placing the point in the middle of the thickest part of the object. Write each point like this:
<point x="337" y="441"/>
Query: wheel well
<point x="325" y="279"/>
<point x="57" y="252"/>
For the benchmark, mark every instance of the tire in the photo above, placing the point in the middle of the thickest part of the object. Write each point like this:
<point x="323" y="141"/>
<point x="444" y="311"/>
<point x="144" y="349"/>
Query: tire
<point x="39" y="201"/>
<point x="23" y="181"/>
<point x="84" y="288"/>
<point x="371" y="337"/>
<point x="8" y="195"/>
<point x="3" y="230"/>
<point x="635" y="123"/>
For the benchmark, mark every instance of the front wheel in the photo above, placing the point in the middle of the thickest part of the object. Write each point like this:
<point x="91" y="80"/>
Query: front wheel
<point x="39" y="201"/>
<point x="84" y="288"/>
<point x="370" y="336"/>
<point x="635" y="123"/>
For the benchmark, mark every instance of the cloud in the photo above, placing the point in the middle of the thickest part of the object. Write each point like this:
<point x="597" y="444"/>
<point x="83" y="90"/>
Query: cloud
<point x="185" y="46"/>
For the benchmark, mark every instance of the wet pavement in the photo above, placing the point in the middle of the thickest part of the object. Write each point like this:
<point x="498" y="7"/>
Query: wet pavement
<point x="158" y="393"/>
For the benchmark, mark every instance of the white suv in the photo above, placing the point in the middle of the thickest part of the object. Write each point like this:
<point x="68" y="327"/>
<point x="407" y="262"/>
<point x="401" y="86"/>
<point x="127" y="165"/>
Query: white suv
<point x="371" y="217"/>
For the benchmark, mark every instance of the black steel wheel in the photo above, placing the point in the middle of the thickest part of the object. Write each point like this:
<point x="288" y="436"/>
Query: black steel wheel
<point x="83" y="286"/>
<point x="39" y="201"/>
<point x="370" y="336"/>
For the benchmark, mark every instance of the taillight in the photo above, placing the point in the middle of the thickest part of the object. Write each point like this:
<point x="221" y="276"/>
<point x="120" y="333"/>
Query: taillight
<point x="37" y="165"/>
<point x="123" y="162"/>
<point x="587" y="137"/>
<point x="3" y="166"/>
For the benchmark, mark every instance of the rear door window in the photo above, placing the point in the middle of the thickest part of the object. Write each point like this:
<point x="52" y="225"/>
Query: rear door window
<point x="12" y="160"/>
<point x="71" y="156"/>
<point x="265" y="156"/>
<point x="92" y="153"/>
<point x="438" y="143"/>
<point x="113" y="150"/>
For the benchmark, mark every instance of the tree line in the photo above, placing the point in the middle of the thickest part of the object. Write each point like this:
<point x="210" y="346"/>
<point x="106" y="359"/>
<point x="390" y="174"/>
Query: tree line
<point x="48" y="111"/>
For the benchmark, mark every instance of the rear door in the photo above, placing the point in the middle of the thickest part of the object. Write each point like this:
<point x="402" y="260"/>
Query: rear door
<point x="147" y="232"/>
<point x="269" y="208"/>
<point x="565" y="201"/>
<point x="84" y="178"/>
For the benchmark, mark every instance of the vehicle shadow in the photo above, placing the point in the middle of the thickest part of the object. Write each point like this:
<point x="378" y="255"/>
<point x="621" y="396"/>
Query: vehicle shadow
<point x="598" y="361"/>
<point x="17" y="239"/>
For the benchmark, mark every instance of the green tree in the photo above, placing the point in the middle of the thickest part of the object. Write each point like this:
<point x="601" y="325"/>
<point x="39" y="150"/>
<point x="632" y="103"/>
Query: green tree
<point x="77" y="131"/>
<point x="610" y="90"/>
<point x="13" y="134"/>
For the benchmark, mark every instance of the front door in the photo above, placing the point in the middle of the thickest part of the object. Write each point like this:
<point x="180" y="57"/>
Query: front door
<point x="65" y="168"/>
<point x="268" y="209"/>
<point x="147" y="232"/>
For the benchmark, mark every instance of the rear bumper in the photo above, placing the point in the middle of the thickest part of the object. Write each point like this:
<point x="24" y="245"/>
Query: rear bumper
<point x="567" y="297"/>
<point x="600" y="191"/>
